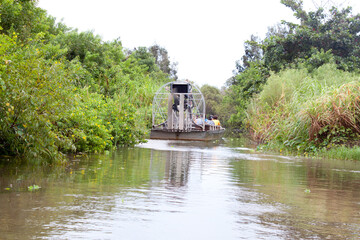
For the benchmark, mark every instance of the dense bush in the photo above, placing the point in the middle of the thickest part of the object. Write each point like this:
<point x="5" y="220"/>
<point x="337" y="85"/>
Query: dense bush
<point x="306" y="111"/>
<point x="62" y="91"/>
<point x="319" y="38"/>
<point x="35" y="94"/>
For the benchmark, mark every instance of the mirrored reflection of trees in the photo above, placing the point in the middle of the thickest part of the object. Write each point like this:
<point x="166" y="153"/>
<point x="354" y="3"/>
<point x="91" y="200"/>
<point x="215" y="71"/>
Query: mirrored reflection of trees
<point x="126" y="168"/>
<point x="100" y="183"/>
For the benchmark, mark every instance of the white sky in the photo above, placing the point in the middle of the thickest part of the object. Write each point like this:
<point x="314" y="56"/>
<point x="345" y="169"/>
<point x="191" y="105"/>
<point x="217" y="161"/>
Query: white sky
<point x="205" y="37"/>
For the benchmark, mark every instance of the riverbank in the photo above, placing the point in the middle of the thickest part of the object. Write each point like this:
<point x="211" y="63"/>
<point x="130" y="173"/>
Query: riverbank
<point x="340" y="152"/>
<point x="63" y="91"/>
<point x="308" y="113"/>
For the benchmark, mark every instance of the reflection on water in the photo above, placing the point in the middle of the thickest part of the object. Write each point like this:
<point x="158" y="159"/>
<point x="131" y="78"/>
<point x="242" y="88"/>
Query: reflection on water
<point x="182" y="190"/>
<point x="177" y="168"/>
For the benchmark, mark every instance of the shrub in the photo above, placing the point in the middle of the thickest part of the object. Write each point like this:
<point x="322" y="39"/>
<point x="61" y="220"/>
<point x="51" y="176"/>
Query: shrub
<point x="307" y="111"/>
<point x="34" y="96"/>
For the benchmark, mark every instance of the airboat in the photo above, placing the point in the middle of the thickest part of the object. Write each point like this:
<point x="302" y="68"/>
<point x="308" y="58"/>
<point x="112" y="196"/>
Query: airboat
<point x="179" y="114"/>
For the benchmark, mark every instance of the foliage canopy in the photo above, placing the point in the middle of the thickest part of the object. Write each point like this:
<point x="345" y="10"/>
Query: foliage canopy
<point x="66" y="91"/>
<point x="319" y="38"/>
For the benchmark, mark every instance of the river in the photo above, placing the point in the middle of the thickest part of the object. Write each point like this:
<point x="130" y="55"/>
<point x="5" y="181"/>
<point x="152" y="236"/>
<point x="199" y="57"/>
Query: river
<point x="182" y="190"/>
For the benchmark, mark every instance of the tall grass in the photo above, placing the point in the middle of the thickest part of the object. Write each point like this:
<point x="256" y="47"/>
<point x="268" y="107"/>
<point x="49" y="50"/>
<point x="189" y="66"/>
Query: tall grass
<point x="307" y="111"/>
<point x="341" y="152"/>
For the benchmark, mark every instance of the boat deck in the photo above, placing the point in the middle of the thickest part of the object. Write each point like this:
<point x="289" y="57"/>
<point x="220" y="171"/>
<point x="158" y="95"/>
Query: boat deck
<point x="194" y="135"/>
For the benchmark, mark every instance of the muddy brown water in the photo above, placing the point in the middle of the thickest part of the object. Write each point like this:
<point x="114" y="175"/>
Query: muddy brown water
<point x="182" y="190"/>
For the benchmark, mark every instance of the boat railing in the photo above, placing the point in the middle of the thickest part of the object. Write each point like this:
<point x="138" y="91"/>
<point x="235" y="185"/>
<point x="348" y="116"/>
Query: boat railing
<point x="212" y="127"/>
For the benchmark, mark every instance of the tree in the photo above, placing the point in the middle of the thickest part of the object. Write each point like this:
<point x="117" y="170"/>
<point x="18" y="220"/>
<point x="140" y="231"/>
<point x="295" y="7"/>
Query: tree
<point x="65" y="91"/>
<point x="145" y="58"/>
<point x="320" y="38"/>
<point x="162" y="60"/>
<point x="27" y="20"/>
<point x="253" y="53"/>
<point x="336" y="31"/>
<point x="213" y="99"/>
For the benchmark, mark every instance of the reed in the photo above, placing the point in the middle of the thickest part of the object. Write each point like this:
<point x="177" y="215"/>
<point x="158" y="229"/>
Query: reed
<point x="307" y="111"/>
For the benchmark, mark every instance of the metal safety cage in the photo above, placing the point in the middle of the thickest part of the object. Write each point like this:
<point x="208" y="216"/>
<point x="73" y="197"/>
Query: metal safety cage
<point x="178" y="106"/>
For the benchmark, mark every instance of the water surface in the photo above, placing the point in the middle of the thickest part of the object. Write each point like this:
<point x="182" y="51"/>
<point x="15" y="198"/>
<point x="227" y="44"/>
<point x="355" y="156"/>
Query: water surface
<point x="182" y="190"/>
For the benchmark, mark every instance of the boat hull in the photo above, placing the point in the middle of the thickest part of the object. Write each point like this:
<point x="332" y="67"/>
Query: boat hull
<point x="209" y="135"/>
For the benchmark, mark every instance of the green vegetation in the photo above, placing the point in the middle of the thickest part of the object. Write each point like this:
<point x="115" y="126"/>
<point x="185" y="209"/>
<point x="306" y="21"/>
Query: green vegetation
<point x="307" y="111"/>
<point x="341" y="152"/>
<point x="65" y="91"/>
<point x="298" y="90"/>
<point x="33" y="188"/>
<point x="213" y="98"/>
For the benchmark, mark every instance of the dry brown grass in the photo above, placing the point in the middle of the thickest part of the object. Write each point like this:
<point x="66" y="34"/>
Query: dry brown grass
<point x="339" y="109"/>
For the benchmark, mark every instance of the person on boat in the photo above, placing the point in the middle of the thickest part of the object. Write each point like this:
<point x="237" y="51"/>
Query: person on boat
<point x="198" y="120"/>
<point x="210" y="121"/>
<point x="216" y="121"/>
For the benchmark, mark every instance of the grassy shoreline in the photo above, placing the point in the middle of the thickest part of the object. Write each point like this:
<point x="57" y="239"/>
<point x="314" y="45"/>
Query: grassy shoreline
<point x="340" y="152"/>
<point x="336" y="152"/>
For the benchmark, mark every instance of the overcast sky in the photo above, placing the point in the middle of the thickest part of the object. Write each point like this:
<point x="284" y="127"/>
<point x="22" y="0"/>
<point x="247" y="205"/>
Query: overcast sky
<point x="205" y="37"/>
